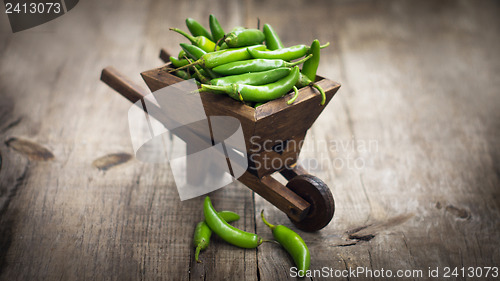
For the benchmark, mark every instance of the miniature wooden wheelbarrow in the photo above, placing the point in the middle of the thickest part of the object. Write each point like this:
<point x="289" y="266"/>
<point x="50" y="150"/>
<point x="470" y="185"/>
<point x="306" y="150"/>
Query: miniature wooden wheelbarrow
<point x="280" y="129"/>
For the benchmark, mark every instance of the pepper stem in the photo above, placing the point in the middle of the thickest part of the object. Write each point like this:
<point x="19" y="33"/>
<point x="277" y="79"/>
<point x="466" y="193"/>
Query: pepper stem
<point x="290" y="64"/>
<point x="324" y="46"/>
<point x="197" y="253"/>
<point x="185" y="34"/>
<point x="321" y="91"/>
<point x="198" y="62"/>
<point x="213" y="88"/>
<point x="203" y="79"/>
<point x="271" y="241"/>
<point x="294" y="96"/>
<point x="219" y="42"/>
<point x="271" y="226"/>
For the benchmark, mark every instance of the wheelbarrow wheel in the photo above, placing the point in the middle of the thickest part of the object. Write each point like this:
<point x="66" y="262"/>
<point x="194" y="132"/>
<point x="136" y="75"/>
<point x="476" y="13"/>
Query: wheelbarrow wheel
<point x="315" y="192"/>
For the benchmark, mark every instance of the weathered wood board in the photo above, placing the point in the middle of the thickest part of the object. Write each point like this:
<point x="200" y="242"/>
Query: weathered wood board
<point x="410" y="145"/>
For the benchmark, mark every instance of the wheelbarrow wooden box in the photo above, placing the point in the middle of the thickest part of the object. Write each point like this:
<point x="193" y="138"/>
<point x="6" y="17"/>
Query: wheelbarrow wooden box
<point x="274" y="133"/>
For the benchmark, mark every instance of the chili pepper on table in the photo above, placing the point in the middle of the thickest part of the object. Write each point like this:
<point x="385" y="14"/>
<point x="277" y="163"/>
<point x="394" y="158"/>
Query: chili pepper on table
<point x="254" y="65"/>
<point x="273" y="41"/>
<point x="215" y="28"/>
<point x="245" y="37"/>
<point x="293" y="244"/>
<point x="226" y="231"/>
<point x="253" y="78"/>
<point x="197" y="29"/>
<point x="214" y="59"/>
<point x="262" y="93"/>
<point x="202" y="232"/>
<point x="288" y="54"/>
<point x="201" y="41"/>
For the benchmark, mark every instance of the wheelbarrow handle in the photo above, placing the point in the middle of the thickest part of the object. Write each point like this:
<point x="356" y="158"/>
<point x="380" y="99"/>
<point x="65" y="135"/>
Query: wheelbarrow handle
<point x="122" y="84"/>
<point x="165" y="55"/>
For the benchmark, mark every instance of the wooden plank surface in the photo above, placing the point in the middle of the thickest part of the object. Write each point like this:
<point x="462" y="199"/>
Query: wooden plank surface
<point x="410" y="146"/>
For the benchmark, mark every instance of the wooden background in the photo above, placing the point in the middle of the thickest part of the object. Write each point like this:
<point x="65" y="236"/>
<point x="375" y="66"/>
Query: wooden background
<point x="419" y="100"/>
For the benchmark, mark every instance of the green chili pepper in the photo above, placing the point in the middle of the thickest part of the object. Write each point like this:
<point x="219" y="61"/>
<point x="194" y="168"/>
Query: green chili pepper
<point x="253" y="78"/>
<point x="197" y="29"/>
<point x="178" y="62"/>
<point x="261" y="93"/>
<point x="226" y="231"/>
<point x="201" y="41"/>
<point x="192" y="51"/>
<point x="202" y="232"/>
<point x="258" y="104"/>
<point x="215" y="28"/>
<point x="182" y="74"/>
<point x="273" y="41"/>
<point x="245" y="37"/>
<point x="311" y="66"/>
<point x="214" y="59"/>
<point x="196" y="53"/>
<point x="181" y="54"/>
<point x="293" y="244"/>
<point x="255" y="65"/>
<point x="305" y="81"/>
<point x="287" y="54"/>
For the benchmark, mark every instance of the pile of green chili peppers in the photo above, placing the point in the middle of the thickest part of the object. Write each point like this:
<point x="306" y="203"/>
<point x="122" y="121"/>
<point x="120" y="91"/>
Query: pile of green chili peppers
<point x="249" y="65"/>
<point x="218" y="222"/>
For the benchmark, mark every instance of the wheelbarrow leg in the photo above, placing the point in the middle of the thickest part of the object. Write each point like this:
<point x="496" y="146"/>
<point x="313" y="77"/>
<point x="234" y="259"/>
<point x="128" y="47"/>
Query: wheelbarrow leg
<point x="293" y="171"/>
<point x="278" y="195"/>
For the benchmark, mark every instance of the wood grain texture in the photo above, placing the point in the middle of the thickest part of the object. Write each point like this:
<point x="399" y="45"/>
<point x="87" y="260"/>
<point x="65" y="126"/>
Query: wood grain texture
<point x="410" y="145"/>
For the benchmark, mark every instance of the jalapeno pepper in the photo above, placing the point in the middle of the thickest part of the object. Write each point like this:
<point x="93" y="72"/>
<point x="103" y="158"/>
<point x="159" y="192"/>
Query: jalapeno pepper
<point x="311" y="66"/>
<point x="254" y="65"/>
<point x="196" y="53"/>
<point x="182" y="74"/>
<point x="293" y="244"/>
<point x="214" y="59"/>
<point x="308" y="72"/>
<point x="197" y="29"/>
<point x="253" y="78"/>
<point x="288" y="54"/>
<point x="202" y="232"/>
<point x="273" y="41"/>
<point x="305" y="81"/>
<point x="181" y="54"/>
<point x="262" y="93"/>
<point x="245" y="37"/>
<point x="178" y="62"/>
<point x="192" y="51"/>
<point x="201" y="41"/>
<point x="226" y="231"/>
<point x="215" y="28"/>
